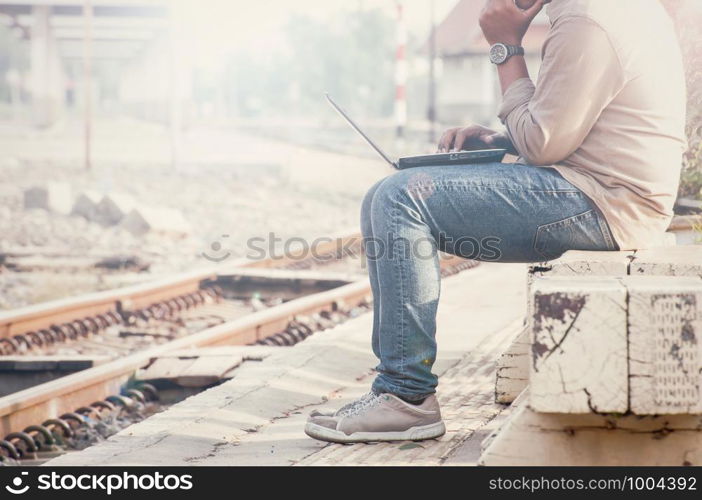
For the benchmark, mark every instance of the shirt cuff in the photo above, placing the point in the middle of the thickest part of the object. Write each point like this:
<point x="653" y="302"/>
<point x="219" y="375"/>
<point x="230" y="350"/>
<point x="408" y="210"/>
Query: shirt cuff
<point x="518" y="94"/>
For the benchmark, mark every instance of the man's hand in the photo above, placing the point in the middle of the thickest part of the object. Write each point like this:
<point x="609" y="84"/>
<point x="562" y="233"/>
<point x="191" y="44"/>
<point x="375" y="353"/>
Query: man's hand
<point x="503" y="22"/>
<point x="473" y="137"/>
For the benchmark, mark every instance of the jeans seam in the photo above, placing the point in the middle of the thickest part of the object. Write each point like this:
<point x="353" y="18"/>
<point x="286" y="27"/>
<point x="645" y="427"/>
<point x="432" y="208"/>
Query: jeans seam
<point x="400" y="310"/>
<point x="566" y="222"/>
<point x="606" y="232"/>
<point x="569" y="221"/>
<point x="466" y="186"/>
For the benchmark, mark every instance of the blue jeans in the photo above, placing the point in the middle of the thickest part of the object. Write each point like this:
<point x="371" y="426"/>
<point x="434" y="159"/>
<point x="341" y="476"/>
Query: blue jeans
<point x="491" y="212"/>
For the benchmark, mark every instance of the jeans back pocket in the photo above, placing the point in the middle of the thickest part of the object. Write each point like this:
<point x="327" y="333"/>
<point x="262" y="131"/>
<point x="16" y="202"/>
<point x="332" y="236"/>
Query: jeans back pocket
<point x="586" y="231"/>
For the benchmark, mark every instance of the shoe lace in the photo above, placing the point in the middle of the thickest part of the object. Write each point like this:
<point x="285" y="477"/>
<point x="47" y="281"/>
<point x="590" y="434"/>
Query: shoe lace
<point x="343" y="411"/>
<point x="365" y="402"/>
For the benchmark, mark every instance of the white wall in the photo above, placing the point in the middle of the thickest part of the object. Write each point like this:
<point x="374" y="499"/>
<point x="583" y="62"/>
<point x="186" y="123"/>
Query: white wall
<point x="468" y="90"/>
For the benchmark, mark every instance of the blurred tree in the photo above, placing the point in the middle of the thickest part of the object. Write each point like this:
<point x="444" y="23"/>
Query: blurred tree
<point x="351" y="57"/>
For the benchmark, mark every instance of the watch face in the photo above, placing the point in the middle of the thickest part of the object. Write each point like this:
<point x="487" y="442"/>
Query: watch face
<point x="498" y="53"/>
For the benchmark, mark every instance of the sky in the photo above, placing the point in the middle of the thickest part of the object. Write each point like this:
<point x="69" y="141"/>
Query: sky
<point x="208" y="33"/>
<point x="266" y="14"/>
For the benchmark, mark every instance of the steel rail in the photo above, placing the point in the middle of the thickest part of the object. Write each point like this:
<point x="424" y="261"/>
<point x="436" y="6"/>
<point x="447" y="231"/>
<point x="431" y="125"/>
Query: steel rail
<point x="62" y="395"/>
<point x="56" y="312"/>
<point x="47" y="314"/>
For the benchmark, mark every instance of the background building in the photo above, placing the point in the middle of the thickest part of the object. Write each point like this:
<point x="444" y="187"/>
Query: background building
<point x="467" y="88"/>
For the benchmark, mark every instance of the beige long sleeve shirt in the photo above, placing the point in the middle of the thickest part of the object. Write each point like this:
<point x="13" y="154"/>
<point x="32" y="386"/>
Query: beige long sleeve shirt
<point x="608" y="111"/>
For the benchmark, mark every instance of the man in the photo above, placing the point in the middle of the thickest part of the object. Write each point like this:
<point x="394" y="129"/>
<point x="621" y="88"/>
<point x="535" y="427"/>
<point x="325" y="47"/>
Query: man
<point x="600" y="140"/>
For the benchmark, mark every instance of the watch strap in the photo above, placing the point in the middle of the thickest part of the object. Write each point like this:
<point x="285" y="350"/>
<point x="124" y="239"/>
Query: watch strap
<point x="514" y="50"/>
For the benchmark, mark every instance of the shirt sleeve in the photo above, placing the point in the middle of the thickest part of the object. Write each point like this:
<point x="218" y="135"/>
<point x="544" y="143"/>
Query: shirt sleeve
<point x="580" y="75"/>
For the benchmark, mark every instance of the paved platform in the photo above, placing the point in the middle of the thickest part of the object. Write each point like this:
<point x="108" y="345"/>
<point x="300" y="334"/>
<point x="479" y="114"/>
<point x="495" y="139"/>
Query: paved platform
<point x="257" y="418"/>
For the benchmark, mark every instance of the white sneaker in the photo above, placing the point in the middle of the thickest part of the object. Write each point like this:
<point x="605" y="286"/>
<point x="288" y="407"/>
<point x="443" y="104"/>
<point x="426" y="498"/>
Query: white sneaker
<point x="378" y="417"/>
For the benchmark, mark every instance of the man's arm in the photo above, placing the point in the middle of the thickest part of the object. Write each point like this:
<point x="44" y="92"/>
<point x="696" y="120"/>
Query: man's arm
<point x="503" y="21"/>
<point x="580" y="75"/>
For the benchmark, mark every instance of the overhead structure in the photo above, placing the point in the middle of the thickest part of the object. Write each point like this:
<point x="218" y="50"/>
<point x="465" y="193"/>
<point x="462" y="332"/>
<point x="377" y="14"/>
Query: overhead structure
<point x="56" y="31"/>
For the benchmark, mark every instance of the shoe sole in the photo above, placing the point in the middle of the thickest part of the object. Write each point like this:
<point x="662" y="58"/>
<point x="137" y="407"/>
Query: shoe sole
<point x="419" y="433"/>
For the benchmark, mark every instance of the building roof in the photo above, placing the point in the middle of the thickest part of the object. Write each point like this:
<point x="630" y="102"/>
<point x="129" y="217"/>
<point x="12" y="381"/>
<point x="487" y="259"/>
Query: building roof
<point x="459" y="33"/>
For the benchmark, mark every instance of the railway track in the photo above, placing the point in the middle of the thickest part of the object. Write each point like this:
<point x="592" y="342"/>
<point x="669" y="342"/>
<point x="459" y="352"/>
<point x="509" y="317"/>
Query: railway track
<point x="275" y="302"/>
<point x="68" y="319"/>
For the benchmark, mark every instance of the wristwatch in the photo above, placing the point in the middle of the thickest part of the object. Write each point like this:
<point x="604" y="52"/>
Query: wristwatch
<point x="499" y="53"/>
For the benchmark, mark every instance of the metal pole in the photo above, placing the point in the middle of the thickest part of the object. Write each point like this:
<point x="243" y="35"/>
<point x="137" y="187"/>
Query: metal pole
<point x="88" y="79"/>
<point x="401" y="74"/>
<point x="431" y="104"/>
<point x="174" y="118"/>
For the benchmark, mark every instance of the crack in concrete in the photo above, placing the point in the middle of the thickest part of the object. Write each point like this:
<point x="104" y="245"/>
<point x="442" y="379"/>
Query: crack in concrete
<point x="564" y="336"/>
<point x="154" y="442"/>
<point x="213" y="452"/>
<point x="459" y="442"/>
<point x="311" y="454"/>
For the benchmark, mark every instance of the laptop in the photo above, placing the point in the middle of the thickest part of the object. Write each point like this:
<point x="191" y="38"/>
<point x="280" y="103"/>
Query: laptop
<point x="435" y="159"/>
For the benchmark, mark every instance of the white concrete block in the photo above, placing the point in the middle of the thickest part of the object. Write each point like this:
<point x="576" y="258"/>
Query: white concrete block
<point x="580" y="263"/>
<point x="142" y="220"/>
<point x="53" y="196"/>
<point x="86" y="205"/>
<point x="579" y="346"/>
<point x="113" y="208"/>
<point x="529" y="438"/>
<point x="665" y="345"/>
<point x="512" y="367"/>
<point x="668" y="261"/>
<point x="577" y="262"/>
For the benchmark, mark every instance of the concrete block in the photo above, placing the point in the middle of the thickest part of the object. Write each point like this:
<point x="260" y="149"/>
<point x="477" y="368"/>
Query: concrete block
<point x="529" y="438"/>
<point x="86" y="205"/>
<point x="54" y="197"/>
<point x="142" y="220"/>
<point x="513" y="364"/>
<point x="665" y="345"/>
<point x="113" y="208"/>
<point x="512" y="367"/>
<point x="577" y="262"/>
<point x="191" y="370"/>
<point x="579" y="345"/>
<point x="582" y="263"/>
<point x="668" y="261"/>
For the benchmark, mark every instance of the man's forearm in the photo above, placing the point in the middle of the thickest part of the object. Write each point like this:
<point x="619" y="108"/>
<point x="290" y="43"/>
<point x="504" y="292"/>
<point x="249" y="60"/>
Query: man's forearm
<point x="507" y="21"/>
<point x="512" y="70"/>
